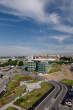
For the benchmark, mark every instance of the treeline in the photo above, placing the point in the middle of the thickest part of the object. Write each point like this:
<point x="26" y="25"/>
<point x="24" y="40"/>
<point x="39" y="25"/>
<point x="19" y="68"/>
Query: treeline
<point x="65" y="60"/>
<point x="12" y="63"/>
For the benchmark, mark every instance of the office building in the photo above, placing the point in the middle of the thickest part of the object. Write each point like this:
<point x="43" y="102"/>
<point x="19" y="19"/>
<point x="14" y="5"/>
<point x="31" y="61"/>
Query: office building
<point x="38" y="66"/>
<point x="31" y="66"/>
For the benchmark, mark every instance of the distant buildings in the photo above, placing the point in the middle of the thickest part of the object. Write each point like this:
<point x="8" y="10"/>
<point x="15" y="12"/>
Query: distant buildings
<point x="57" y="57"/>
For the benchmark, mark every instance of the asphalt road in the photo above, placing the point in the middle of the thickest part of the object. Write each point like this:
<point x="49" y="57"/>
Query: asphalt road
<point x="57" y="105"/>
<point x="47" y="103"/>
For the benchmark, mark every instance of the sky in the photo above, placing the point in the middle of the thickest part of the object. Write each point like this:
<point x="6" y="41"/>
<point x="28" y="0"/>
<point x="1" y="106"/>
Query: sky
<point x="33" y="27"/>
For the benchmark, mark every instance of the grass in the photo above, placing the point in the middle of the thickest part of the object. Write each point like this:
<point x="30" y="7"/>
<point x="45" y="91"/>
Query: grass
<point x="11" y="108"/>
<point x="16" y="81"/>
<point x="22" y="77"/>
<point x="12" y="85"/>
<point x="33" y="96"/>
<point x="14" y="89"/>
<point x="19" y="77"/>
<point x="34" y="72"/>
<point x="55" y="68"/>
<point x="15" y="72"/>
<point x="51" y="71"/>
<point x="67" y="82"/>
<point x="11" y="96"/>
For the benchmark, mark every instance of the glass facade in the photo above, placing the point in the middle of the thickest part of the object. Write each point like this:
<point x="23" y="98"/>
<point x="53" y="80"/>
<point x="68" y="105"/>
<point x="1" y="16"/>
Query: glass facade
<point x="43" y="67"/>
<point x="38" y="66"/>
<point x="31" y="66"/>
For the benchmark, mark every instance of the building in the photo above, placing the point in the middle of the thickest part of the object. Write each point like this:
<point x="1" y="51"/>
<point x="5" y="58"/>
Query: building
<point x="31" y="66"/>
<point x="41" y="66"/>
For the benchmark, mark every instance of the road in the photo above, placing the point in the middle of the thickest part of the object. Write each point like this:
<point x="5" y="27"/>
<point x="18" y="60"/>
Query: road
<point x="57" y="105"/>
<point x="54" y="99"/>
<point x="47" y="103"/>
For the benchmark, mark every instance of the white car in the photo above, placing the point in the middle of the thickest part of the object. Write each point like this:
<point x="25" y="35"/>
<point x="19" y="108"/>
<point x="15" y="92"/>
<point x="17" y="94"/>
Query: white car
<point x="68" y="103"/>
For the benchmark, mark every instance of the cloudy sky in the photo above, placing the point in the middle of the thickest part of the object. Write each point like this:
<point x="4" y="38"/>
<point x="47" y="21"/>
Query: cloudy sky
<point x="32" y="27"/>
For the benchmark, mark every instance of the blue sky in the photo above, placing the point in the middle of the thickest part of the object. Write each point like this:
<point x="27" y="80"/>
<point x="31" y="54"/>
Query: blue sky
<point x="32" y="27"/>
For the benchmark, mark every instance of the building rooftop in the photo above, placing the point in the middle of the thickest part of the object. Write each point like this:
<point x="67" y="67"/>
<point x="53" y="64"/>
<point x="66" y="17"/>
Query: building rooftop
<point x="44" y="59"/>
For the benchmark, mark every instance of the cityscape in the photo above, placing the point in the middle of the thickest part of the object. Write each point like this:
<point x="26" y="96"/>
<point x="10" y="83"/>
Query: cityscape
<point x="36" y="54"/>
<point x="43" y="82"/>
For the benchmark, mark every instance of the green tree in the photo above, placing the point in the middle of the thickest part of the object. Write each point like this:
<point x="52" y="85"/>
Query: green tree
<point x="10" y="62"/>
<point x="21" y="63"/>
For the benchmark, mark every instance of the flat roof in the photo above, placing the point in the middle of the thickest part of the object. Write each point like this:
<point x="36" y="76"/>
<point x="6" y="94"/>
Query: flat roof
<point x="51" y="59"/>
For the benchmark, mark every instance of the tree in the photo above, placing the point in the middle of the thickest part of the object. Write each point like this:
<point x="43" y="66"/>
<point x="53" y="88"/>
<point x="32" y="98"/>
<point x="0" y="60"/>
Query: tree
<point x="21" y="63"/>
<point x="9" y="60"/>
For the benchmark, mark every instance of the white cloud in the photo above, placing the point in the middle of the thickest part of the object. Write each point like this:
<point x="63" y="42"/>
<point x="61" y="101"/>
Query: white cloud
<point x="60" y="38"/>
<point x="60" y="49"/>
<point x="63" y="28"/>
<point x="34" y="9"/>
<point x="21" y="50"/>
<point x="67" y="9"/>
<point x="15" y="50"/>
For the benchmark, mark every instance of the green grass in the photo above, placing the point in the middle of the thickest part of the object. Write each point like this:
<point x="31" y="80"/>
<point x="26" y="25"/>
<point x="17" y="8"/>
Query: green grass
<point x="14" y="89"/>
<point x="19" y="77"/>
<point x="51" y="71"/>
<point x="16" y="81"/>
<point x="11" y="108"/>
<point x="30" y="98"/>
<point x="22" y="77"/>
<point x="19" y="91"/>
<point x="67" y="82"/>
<point x="15" y="72"/>
<point x="11" y="85"/>
<point x="11" y="96"/>
<point x="55" y="68"/>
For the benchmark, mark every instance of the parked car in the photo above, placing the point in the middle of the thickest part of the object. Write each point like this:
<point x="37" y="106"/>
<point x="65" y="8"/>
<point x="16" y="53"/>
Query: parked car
<point x="68" y="103"/>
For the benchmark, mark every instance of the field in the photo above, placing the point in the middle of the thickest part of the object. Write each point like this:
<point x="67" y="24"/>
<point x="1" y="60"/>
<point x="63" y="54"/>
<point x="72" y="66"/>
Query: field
<point x="67" y="82"/>
<point x="30" y="98"/>
<point x="54" y="68"/>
